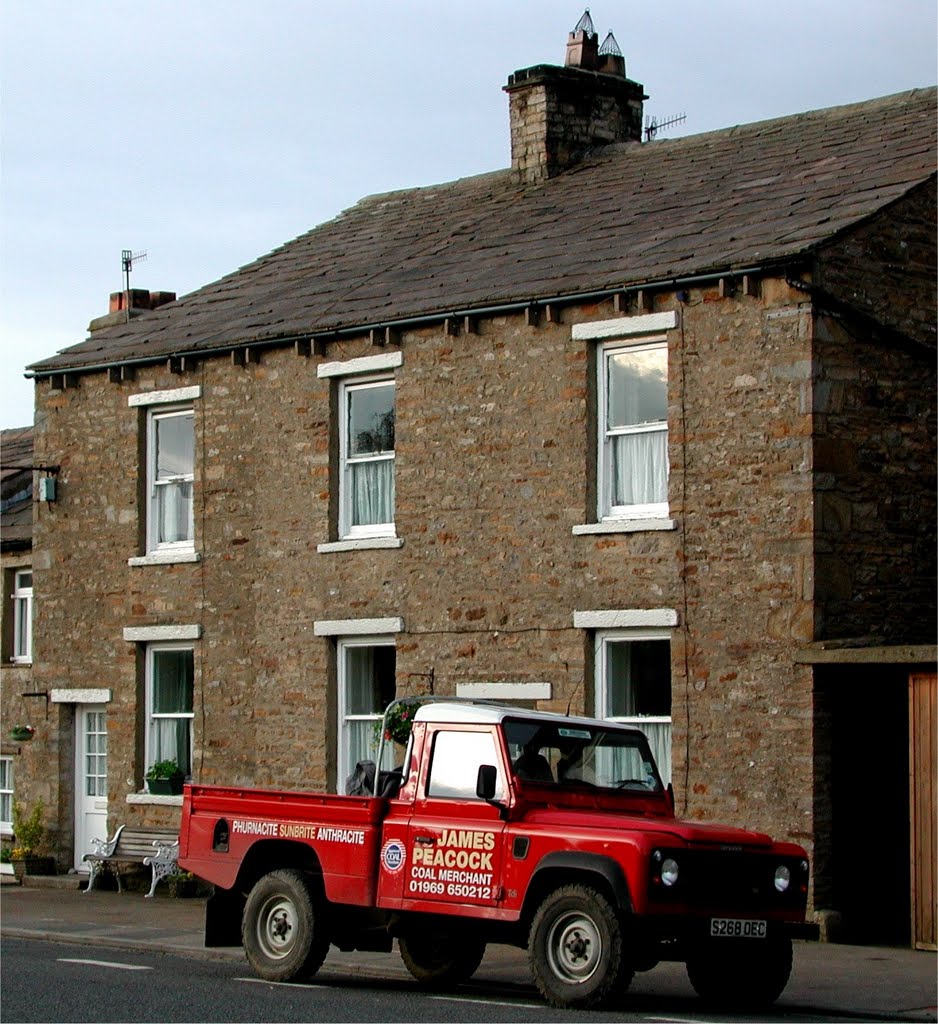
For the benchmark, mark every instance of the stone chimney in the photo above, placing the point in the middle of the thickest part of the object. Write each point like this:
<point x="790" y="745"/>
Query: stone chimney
<point x="559" y="114"/>
<point x="126" y="305"/>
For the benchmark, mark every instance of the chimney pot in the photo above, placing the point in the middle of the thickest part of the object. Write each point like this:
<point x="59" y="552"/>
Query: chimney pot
<point x="124" y="306"/>
<point x="158" y="299"/>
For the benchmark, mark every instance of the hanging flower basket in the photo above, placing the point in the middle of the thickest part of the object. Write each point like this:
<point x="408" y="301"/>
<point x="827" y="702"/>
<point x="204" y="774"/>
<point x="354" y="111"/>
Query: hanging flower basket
<point x="22" y="733"/>
<point x="397" y="723"/>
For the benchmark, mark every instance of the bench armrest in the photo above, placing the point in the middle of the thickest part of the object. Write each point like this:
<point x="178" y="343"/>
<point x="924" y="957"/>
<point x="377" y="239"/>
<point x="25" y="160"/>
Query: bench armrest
<point x="162" y="862"/>
<point x="106" y="847"/>
<point x="166" y="853"/>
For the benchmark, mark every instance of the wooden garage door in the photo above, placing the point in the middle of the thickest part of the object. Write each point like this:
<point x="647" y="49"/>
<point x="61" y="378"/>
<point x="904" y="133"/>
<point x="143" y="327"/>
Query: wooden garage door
<point x="923" y="755"/>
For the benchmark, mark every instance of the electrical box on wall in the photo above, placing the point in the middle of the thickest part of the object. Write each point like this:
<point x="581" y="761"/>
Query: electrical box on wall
<point x="47" y="488"/>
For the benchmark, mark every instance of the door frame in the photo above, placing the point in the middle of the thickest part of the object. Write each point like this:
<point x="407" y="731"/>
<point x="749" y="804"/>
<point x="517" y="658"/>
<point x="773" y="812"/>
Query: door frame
<point x="923" y="819"/>
<point x="78" y="786"/>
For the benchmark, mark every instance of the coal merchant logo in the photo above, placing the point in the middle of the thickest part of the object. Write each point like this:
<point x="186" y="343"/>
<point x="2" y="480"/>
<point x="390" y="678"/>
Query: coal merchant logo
<point x="392" y="855"/>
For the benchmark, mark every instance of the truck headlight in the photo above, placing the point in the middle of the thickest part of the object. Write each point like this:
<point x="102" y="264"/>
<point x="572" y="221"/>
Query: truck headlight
<point x="669" y="871"/>
<point x="782" y="877"/>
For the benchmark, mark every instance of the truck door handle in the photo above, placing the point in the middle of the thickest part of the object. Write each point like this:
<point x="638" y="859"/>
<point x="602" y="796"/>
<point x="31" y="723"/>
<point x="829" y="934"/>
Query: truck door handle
<point x="425" y="840"/>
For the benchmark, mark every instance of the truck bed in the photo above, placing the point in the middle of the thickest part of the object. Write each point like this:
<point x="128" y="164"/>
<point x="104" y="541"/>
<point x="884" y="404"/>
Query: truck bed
<point x="230" y="825"/>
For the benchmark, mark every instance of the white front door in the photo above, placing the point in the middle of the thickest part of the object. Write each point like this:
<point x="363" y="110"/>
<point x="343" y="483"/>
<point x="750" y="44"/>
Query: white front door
<point x="90" y="778"/>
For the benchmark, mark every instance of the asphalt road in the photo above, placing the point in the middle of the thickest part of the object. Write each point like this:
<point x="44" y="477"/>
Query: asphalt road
<point x="64" y="982"/>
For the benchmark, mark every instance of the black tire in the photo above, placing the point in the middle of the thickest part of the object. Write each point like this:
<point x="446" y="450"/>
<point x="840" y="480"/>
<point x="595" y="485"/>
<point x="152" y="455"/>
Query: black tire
<point x="438" y="960"/>
<point x="741" y="976"/>
<point x="577" y="949"/>
<point x="282" y="929"/>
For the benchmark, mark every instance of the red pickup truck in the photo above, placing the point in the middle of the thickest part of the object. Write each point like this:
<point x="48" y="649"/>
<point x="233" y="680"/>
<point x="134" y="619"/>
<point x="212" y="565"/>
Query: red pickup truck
<point x="542" y="831"/>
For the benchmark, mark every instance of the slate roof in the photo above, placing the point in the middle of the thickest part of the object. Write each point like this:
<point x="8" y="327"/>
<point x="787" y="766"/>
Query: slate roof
<point x="629" y="214"/>
<point x="16" y="488"/>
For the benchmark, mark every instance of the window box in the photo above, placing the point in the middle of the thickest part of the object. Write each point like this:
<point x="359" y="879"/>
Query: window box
<point x="171" y="786"/>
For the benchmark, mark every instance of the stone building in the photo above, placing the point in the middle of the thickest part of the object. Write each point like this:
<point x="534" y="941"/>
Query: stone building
<point x="643" y="429"/>
<point x="16" y="529"/>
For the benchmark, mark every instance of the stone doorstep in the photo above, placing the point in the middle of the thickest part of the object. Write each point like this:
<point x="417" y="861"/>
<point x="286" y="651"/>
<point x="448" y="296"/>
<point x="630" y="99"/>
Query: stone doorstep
<point x="52" y="881"/>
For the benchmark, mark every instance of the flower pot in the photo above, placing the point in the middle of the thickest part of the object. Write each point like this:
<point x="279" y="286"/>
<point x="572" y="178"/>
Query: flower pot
<point x="166" y="787"/>
<point x="21" y="735"/>
<point x="181" y="888"/>
<point x="33" y="865"/>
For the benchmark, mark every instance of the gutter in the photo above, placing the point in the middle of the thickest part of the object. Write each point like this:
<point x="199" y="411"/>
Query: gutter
<point x="403" y="323"/>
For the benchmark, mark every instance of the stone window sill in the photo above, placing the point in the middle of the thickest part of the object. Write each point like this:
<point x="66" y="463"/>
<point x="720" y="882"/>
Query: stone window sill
<point x="360" y="544"/>
<point x="625" y="526"/>
<point x="151" y="798"/>
<point x="165" y="558"/>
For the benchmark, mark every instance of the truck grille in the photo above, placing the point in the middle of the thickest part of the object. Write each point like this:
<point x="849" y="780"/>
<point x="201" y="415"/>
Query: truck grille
<point x="730" y="880"/>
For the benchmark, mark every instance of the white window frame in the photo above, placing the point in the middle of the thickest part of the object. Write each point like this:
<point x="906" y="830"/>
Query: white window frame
<point x="346" y="530"/>
<point x="154" y="545"/>
<point x="610" y="636"/>
<point x="151" y="650"/>
<point x="6" y="792"/>
<point x="607" y="512"/>
<point x="22" y="618"/>
<point x="343" y="646"/>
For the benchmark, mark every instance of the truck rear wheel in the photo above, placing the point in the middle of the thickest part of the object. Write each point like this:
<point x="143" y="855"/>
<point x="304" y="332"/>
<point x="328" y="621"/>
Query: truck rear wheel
<point x="282" y="930"/>
<point x="576" y="948"/>
<point x="741" y="976"/>
<point x="437" y="960"/>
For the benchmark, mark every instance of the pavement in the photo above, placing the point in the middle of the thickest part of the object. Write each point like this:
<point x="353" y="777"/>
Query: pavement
<point x="866" y="982"/>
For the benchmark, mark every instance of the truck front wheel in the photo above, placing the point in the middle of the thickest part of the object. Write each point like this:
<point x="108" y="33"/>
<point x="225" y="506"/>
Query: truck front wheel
<point x="576" y="948"/>
<point x="437" y="960"/>
<point x="282" y="931"/>
<point x="741" y="976"/>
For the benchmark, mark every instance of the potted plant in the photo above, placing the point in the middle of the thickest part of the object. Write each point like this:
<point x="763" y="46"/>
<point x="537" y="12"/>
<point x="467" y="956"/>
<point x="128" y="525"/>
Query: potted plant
<point x="165" y="778"/>
<point x="22" y="733"/>
<point x="181" y="884"/>
<point x="28" y="830"/>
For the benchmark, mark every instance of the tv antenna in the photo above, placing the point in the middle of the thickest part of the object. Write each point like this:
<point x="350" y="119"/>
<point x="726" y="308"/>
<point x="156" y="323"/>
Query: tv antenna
<point x="653" y="125"/>
<point x="128" y="259"/>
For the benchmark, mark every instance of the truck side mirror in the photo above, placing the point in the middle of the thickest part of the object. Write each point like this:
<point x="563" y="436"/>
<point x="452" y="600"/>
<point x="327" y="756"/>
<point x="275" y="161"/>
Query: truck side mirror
<point x="671" y="797"/>
<point x="485" y="782"/>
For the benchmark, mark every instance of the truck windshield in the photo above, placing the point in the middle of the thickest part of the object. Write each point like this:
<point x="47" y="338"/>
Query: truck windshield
<point x="576" y="754"/>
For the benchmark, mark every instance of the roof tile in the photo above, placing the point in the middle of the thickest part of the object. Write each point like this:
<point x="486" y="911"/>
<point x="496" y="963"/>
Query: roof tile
<point x="627" y="215"/>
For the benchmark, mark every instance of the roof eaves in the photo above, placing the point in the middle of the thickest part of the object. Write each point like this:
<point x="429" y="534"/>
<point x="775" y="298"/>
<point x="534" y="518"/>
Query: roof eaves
<point x="438" y="315"/>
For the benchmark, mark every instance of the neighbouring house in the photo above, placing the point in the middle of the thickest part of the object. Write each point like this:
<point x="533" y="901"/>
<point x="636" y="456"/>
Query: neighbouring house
<point x="16" y="611"/>
<point x="641" y="429"/>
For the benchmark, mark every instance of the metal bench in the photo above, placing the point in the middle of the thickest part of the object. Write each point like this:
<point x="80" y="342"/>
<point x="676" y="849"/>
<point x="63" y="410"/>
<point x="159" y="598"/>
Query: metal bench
<point x="156" y="848"/>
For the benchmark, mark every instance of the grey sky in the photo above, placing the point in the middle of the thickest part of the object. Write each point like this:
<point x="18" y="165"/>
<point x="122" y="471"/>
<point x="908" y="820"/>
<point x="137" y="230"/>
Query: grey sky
<point x="208" y="132"/>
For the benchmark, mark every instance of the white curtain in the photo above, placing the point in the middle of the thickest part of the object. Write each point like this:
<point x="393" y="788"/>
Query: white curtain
<point x="171" y="721"/>
<point x="170" y="741"/>
<point x="362" y="710"/>
<point x="622" y="703"/>
<point x="361" y="743"/>
<point x="640" y="468"/>
<point x="372" y="492"/>
<point x="659" y="739"/>
<point x="175" y="458"/>
<point x="174" y="511"/>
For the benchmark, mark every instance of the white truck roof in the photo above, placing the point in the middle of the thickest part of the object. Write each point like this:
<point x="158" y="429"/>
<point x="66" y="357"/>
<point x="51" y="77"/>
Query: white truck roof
<point x="492" y="714"/>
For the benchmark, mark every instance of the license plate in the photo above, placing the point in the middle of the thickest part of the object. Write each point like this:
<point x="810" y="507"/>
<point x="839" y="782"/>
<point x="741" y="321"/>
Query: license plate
<point x="736" y="928"/>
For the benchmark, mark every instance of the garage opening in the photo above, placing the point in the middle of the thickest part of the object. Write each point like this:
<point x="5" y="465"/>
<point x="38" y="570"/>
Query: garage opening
<point x="862" y="802"/>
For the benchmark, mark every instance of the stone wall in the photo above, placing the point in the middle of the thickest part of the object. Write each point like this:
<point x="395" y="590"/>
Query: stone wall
<point x="875" y="443"/>
<point x="493" y="469"/>
<point x="885" y="268"/>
